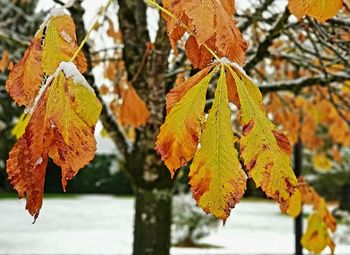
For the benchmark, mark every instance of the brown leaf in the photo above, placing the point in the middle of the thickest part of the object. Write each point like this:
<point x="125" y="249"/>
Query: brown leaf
<point x="199" y="56"/>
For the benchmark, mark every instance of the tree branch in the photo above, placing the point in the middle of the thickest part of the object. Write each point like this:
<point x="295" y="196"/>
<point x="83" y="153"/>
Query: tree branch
<point x="297" y="84"/>
<point x="263" y="47"/>
<point x="256" y="16"/>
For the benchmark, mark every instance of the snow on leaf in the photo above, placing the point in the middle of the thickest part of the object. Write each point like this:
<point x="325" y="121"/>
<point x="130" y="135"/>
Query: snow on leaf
<point x="178" y="138"/>
<point x="266" y="152"/>
<point x="216" y="177"/>
<point x="26" y="76"/>
<point x="57" y="47"/>
<point x="61" y="127"/>
<point x="321" y="10"/>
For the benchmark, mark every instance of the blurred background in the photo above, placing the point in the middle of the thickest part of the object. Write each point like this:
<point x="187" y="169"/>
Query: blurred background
<point x="97" y="213"/>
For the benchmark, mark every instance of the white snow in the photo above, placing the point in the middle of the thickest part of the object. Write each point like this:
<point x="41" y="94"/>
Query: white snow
<point x="39" y="161"/>
<point x="66" y="37"/>
<point x="55" y="12"/>
<point x="71" y="71"/>
<point x="103" y="225"/>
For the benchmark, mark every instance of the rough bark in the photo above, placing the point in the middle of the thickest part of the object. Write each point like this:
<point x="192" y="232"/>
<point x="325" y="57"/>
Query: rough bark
<point x="345" y="197"/>
<point x="150" y="178"/>
<point x="152" y="222"/>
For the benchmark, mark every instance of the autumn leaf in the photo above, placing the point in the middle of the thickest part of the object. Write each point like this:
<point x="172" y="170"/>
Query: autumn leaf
<point x="294" y="204"/>
<point x="198" y="55"/>
<point x="229" y="41"/>
<point x="317" y="237"/>
<point x="60" y="44"/>
<point x="265" y="151"/>
<point x="26" y="76"/>
<point x="178" y="138"/>
<point x="21" y="125"/>
<point x="211" y="23"/>
<point x="321" y="10"/>
<point x="321" y="162"/>
<point x="54" y="42"/>
<point x="175" y="94"/>
<point x="216" y="177"/>
<point x="4" y="61"/>
<point x="132" y="110"/>
<point x="61" y="127"/>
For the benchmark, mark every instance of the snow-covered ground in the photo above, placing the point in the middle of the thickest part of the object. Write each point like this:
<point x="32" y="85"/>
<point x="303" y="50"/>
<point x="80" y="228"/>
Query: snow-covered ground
<point x="103" y="225"/>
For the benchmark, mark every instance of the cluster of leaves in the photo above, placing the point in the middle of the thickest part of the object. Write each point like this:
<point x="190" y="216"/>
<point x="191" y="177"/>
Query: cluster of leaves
<point x="222" y="159"/>
<point x="319" y="130"/>
<point x="320" y="222"/>
<point x="217" y="177"/>
<point x="62" y="110"/>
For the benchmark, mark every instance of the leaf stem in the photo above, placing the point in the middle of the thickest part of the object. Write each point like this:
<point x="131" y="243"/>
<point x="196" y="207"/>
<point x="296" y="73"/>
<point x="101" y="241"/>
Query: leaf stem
<point x="101" y="13"/>
<point x="162" y="9"/>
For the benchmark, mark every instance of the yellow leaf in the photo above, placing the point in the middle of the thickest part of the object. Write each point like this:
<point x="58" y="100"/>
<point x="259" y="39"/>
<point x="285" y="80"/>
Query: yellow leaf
<point x="265" y="151"/>
<point x="216" y="177"/>
<point x="321" y="10"/>
<point x="104" y="133"/>
<point x="316" y="237"/>
<point x="21" y="125"/>
<point x="321" y="162"/>
<point x="60" y="44"/>
<point x="294" y="204"/>
<point x="178" y="138"/>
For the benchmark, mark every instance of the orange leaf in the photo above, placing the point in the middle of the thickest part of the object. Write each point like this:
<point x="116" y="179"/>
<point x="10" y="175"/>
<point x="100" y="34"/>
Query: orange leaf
<point x="26" y="76"/>
<point x="5" y="61"/>
<point x="229" y="41"/>
<point x="210" y="22"/>
<point x="321" y="10"/>
<point x="133" y="111"/>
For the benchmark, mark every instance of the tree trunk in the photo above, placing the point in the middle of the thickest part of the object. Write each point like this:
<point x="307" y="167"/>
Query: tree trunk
<point x="151" y="179"/>
<point x="152" y="223"/>
<point x="345" y="198"/>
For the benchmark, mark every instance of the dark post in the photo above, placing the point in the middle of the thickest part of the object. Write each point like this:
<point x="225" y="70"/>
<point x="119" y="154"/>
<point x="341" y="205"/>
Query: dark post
<point x="298" y="222"/>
